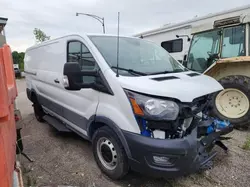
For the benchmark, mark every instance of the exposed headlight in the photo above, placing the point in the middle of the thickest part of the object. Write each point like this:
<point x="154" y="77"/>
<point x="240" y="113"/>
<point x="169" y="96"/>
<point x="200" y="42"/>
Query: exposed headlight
<point x="149" y="107"/>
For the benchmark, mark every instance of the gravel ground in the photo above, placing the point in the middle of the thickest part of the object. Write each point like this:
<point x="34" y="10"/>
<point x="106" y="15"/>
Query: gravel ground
<point x="66" y="159"/>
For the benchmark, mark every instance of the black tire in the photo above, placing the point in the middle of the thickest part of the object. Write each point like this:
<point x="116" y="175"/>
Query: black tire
<point x="38" y="111"/>
<point x="122" y="167"/>
<point x="241" y="83"/>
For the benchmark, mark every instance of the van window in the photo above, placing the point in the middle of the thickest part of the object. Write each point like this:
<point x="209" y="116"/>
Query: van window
<point x="173" y="46"/>
<point x="74" y="51"/>
<point x="136" y="54"/>
<point x="87" y="61"/>
<point x="78" y="52"/>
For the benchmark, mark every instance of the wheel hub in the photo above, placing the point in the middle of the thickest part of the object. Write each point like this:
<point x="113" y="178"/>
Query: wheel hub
<point x="107" y="153"/>
<point x="232" y="103"/>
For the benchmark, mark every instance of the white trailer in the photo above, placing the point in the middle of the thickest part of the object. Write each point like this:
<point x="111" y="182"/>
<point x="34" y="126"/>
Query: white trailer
<point x="175" y="38"/>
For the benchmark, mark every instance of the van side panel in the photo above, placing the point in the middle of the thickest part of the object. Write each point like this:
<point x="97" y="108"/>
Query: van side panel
<point x="44" y="74"/>
<point x="43" y="65"/>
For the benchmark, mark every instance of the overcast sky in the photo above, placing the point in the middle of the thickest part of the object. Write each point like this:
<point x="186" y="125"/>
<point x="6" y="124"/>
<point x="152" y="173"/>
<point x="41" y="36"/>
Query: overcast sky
<point x="57" y="17"/>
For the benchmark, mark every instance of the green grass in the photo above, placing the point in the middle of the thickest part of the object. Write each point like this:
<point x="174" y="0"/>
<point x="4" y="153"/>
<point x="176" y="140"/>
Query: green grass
<point x="246" y="145"/>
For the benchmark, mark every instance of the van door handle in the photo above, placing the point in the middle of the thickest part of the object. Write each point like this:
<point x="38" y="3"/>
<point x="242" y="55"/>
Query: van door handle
<point x="56" y="81"/>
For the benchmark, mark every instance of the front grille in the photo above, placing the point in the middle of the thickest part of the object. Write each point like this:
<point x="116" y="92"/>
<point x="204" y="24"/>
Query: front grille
<point x="191" y="109"/>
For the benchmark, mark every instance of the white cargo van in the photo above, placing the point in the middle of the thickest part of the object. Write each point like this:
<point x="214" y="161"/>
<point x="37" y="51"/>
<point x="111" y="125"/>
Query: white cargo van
<point x="143" y="113"/>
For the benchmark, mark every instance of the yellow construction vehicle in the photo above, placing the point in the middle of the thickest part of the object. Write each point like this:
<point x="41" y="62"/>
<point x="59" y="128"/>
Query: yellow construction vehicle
<point x="221" y="49"/>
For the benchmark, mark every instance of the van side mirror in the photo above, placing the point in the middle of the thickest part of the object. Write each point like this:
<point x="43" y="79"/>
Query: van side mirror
<point x="74" y="75"/>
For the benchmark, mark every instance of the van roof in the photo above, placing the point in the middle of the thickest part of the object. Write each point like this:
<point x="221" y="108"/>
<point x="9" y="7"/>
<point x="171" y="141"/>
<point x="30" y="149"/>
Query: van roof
<point x="72" y="35"/>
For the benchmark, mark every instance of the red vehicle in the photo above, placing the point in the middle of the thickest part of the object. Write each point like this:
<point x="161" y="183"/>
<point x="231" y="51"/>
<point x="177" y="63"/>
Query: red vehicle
<point x="10" y="174"/>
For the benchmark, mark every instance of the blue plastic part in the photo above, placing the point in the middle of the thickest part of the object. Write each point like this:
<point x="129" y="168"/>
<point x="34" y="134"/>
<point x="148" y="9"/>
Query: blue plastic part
<point x="221" y="124"/>
<point x="210" y="129"/>
<point x="145" y="131"/>
<point x="217" y="125"/>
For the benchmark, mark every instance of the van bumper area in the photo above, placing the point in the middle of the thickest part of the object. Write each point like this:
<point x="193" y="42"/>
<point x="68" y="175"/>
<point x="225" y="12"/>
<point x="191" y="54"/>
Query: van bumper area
<point x="167" y="158"/>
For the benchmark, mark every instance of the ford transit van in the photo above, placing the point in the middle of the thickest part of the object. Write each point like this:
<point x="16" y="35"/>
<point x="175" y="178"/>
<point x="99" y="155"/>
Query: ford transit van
<point x="140" y="108"/>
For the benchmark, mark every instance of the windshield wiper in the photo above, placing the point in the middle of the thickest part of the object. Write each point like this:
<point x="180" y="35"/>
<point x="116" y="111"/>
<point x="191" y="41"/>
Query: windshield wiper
<point x="130" y="71"/>
<point x="165" y="72"/>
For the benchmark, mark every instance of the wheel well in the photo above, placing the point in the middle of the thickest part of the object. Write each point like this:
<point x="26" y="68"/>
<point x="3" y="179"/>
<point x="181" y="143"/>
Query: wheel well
<point x="93" y="127"/>
<point x="33" y="97"/>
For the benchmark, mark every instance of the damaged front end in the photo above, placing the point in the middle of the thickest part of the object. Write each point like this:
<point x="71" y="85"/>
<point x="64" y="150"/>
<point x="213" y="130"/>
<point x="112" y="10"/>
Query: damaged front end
<point x="179" y="141"/>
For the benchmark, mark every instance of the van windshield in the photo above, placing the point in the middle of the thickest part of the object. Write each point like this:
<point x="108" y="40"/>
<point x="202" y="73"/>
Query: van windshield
<point x="137" y="55"/>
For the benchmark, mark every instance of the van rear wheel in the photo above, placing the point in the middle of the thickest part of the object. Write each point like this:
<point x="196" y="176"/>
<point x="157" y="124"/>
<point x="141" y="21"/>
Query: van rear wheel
<point x="109" y="153"/>
<point x="38" y="111"/>
<point x="233" y="103"/>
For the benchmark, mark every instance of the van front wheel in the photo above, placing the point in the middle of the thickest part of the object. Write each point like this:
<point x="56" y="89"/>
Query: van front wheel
<point x="109" y="153"/>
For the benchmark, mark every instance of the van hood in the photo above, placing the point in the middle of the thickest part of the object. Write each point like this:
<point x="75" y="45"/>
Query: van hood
<point x="185" y="86"/>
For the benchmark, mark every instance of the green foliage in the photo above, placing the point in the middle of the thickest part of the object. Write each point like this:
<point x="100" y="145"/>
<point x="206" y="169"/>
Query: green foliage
<point x="18" y="58"/>
<point x="246" y="145"/>
<point x="21" y="64"/>
<point x="15" y="56"/>
<point x="40" y="35"/>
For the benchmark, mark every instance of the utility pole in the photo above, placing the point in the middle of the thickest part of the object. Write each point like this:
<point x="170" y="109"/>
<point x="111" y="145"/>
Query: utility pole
<point x="100" y="19"/>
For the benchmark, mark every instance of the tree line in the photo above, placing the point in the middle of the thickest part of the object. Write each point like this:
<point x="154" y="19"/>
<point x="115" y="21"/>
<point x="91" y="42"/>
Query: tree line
<point x="18" y="57"/>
